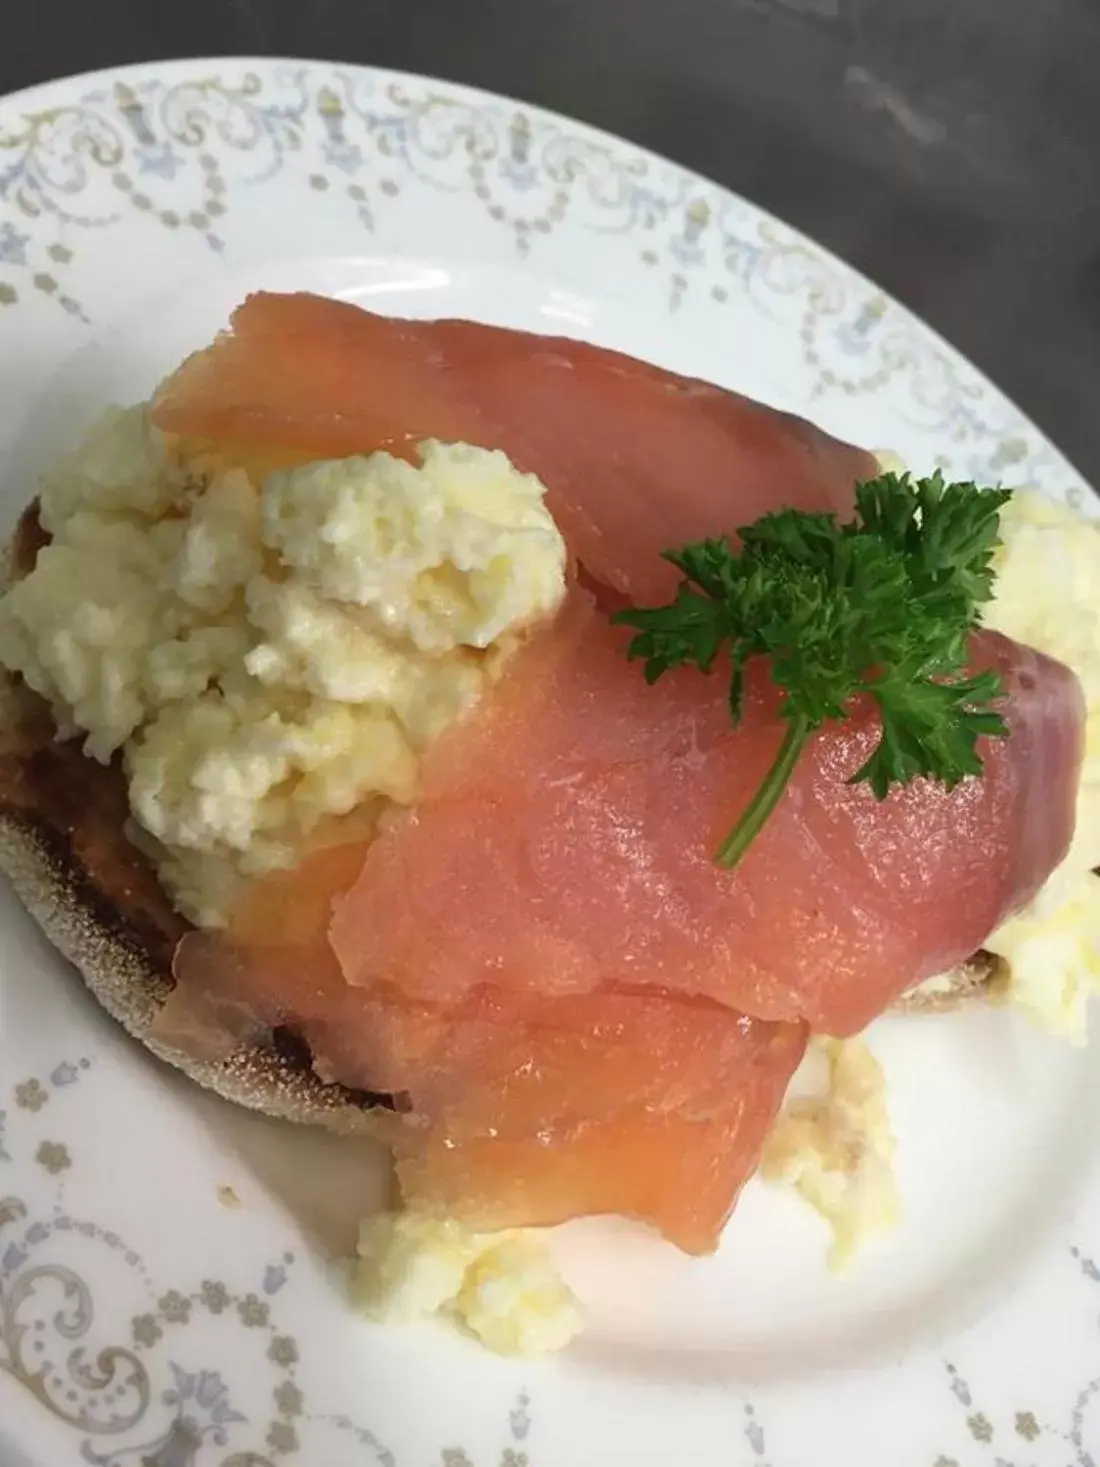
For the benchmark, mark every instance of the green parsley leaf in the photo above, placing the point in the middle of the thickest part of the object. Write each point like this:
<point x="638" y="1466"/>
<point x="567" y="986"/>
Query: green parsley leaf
<point x="882" y="605"/>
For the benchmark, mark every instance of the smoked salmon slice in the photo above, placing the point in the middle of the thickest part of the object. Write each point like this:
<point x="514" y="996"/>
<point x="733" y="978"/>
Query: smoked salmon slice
<point x="526" y="1110"/>
<point x="513" y="1108"/>
<point x="635" y="459"/>
<point x="565" y="836"/>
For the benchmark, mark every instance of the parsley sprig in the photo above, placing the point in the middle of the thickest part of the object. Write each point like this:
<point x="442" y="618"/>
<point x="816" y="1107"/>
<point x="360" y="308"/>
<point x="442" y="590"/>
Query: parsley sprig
<point x="882" y="605"/>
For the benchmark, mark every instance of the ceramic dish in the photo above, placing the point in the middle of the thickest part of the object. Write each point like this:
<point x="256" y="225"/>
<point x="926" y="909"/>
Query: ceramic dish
<point x="167" y="1290"/>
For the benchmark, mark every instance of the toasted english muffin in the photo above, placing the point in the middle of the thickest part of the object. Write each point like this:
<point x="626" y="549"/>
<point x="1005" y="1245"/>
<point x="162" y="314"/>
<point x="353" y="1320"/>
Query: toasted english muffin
<point x="97" y="899"/>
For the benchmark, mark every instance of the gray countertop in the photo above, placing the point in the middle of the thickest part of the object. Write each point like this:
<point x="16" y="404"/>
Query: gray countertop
<point x="949" y="148"/>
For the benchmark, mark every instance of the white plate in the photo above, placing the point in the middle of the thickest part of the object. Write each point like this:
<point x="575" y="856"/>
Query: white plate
<point x="144" y="1320"/>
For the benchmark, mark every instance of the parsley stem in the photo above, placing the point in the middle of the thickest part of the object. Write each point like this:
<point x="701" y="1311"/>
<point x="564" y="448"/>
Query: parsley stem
<point x="767" y="796"/>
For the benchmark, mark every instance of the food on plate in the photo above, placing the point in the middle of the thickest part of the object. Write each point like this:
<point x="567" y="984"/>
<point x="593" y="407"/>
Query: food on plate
<point x="328" y="764"/>
<point x="503" y="1288"/>
<point x="1047" y="594"/>
<point x="836" y="1147"/>
<point x="270" y="658"/>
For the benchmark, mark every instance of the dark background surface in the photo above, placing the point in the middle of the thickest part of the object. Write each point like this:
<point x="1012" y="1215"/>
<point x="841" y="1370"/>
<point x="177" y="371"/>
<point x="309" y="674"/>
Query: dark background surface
<point x="949" y="148"/>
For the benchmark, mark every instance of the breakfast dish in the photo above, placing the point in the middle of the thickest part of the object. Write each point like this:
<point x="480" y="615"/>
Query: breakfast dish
<point x="354" y="658"/>
<point x="381" y="824"/>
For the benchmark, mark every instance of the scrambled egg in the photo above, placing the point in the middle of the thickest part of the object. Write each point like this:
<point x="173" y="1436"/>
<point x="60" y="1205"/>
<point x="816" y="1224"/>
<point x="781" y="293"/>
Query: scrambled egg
<point x="271" y="656"/>
<point x="836" y="1149"/>
<point x="1047" y="594"/>
<point x="504" y="1288"/>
